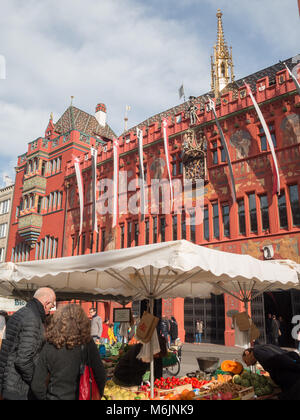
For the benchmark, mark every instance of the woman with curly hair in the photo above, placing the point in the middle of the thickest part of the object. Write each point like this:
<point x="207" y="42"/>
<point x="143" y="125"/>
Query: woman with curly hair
<point x="68" y="341"/>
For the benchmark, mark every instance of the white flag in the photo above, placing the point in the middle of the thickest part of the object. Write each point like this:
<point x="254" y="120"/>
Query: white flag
<point x="80" y="189"/>
<point x="166" y="145"/>
<point x="139" y="134"/>
<point x="294" y="78"/>
<point x="276" y="178"/>
<point x="181" y="91"/>
<point x="116" y="180"/>
<point x="94" y="183"/>
<point x="211" y="107"/>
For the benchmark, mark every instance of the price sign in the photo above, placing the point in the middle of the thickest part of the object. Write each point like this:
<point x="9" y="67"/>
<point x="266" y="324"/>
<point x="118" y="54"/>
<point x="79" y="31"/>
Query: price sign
<point x="122" y="314"/>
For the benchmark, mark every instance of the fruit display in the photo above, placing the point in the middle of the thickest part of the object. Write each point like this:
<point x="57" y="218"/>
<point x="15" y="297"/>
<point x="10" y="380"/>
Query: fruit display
<point x="225" y="387"/>
<point x="116" y="392"/>
<point x="261" y="384"/>
<point x="185" y="395"/>
<point x="223" y="378"/>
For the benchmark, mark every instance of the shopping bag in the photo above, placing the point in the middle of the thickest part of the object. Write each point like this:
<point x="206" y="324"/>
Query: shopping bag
<point x="146" y="327"/>
<point x="144" y="353"/>
<point x="88" y="389"/>
<point x="242" y="320"/>
<point x="254" y="332"/>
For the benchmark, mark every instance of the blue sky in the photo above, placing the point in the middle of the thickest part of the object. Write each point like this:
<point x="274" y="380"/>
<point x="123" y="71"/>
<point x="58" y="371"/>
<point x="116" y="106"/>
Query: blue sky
<point x="122" y="52"/>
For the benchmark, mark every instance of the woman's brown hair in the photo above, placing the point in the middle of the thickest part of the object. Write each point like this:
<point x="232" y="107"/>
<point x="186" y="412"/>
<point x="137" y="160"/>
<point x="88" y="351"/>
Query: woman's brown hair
<point x="69" y="327"/>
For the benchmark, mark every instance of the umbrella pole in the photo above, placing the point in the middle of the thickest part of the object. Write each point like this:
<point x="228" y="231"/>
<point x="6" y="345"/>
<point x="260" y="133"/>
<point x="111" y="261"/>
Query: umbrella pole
<point x="151" y="356"/>
<point x="246" y="305"/>
<point x="151" y="301"/>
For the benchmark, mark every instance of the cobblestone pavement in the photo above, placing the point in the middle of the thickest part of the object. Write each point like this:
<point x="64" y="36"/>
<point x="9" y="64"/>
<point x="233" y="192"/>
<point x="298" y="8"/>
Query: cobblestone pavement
<point x="190" y="352"/>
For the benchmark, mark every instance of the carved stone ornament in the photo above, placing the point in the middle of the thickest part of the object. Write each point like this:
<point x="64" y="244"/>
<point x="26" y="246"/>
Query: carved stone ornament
<point x="194" y="155"/>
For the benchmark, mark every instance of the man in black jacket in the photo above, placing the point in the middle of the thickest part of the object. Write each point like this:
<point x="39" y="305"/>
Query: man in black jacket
<point x="130" y="370"/>
<point x="23" y="343"/>
<point x="283" y="367"/>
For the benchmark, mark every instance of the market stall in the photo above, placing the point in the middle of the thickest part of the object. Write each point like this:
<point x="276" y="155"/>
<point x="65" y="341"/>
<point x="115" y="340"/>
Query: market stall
<point x="219" y="385"/>
<point x="164" y="270"/>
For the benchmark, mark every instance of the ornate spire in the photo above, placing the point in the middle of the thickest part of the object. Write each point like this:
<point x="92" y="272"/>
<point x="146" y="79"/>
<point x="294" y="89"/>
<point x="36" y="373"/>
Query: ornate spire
<point x="221" y="61"/>
<point x="221" y="44"/>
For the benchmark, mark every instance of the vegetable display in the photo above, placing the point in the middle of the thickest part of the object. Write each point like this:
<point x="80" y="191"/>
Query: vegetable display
<point x="232" y="367"/>
<point x="261" y="384"/>
<point x="173" y="382"/>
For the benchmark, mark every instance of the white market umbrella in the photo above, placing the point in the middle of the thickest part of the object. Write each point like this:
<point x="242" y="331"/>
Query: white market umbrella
<point x="289" y="263"/>
<point x="164" y="270"/>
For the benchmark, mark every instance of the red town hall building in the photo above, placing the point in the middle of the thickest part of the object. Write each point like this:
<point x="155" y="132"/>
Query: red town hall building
<point x="45" y="208"/>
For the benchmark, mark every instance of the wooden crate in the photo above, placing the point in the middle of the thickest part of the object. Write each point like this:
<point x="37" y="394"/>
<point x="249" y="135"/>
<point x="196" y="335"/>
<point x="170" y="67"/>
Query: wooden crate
<point x="247" y="393"/>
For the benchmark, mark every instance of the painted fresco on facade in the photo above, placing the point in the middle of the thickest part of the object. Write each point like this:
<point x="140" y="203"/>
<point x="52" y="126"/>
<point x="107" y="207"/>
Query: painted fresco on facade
<point x="157" y="168"/>
<point x="290" y="127"/>
<point x="241" y="141"/>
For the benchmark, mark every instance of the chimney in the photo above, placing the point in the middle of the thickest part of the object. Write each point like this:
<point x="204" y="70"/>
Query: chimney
<point x="100" y="114"/>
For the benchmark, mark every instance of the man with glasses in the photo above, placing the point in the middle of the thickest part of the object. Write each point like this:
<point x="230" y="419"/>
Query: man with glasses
<point x="23" y="343"/>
